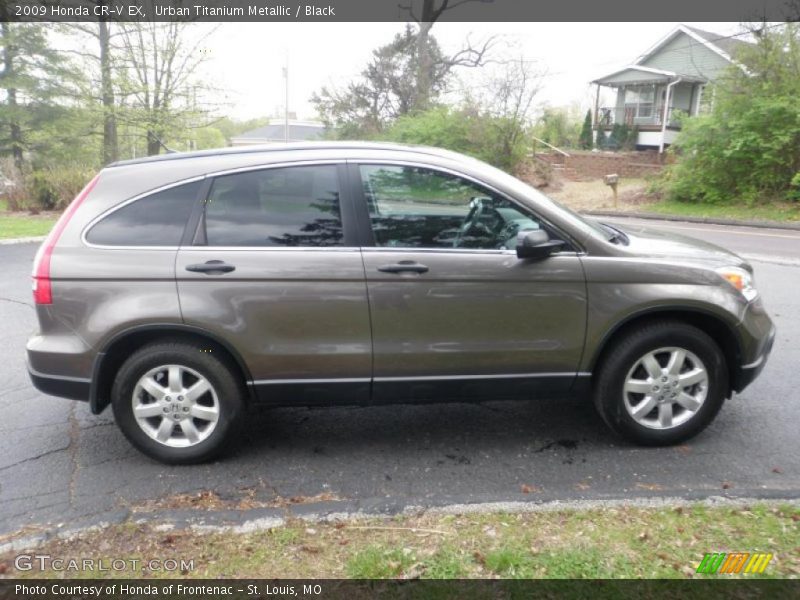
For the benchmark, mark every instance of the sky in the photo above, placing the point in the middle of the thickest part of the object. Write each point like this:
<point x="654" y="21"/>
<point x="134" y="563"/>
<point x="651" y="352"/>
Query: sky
<point x="245" y="60"/>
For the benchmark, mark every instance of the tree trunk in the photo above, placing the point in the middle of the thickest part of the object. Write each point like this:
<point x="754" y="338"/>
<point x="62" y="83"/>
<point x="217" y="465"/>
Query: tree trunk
<point x="153" y="143"/>
<point x="11" y="94"/>
<point x="110" y="142"/>
<point x="424" y="67"/>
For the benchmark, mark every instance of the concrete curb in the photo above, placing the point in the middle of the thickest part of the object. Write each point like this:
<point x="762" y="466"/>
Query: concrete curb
<point x="22" y="240"/>
<point x="258" y="519"/>
<point x="705" y="220"/>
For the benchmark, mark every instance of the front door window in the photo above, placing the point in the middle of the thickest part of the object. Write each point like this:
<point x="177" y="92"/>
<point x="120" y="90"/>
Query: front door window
<point x="415" y="207"/>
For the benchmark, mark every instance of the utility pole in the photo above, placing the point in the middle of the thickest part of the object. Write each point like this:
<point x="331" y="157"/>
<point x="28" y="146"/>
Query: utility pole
<point x="286" y="101"/>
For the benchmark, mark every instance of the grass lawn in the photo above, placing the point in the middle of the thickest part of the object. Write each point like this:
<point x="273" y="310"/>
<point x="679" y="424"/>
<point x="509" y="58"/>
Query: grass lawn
<point x="667" y="542"/>
<point x="634" y="197"/>
<point x="776" y="211"/>
<point x="18" y="224"/>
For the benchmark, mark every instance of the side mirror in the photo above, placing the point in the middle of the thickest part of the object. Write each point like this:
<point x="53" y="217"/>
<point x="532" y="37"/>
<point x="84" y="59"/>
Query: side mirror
<point x="536" y="244"/>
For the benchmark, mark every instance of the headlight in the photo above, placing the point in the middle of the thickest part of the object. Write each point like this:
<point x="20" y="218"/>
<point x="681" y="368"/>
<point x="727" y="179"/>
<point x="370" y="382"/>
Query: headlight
<point x="741" y="279"/>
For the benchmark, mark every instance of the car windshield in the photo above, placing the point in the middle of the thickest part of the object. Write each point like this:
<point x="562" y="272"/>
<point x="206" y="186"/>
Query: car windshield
<point x="586" y="225"/>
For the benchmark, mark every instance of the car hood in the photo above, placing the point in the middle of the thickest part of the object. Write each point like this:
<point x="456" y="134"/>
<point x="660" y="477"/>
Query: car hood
<point x="649" y="242"/>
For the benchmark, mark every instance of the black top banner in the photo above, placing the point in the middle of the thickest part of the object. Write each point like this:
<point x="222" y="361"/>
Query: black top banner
<point x="399" y="10"/>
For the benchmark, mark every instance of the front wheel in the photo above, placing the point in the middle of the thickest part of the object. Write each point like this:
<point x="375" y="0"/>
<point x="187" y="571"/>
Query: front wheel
<point x="177" y="403"/>
<point x="661" y="384"/>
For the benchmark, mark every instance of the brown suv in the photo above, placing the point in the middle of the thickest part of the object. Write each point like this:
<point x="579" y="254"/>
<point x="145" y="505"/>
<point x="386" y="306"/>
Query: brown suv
<point x="183" y="288"/>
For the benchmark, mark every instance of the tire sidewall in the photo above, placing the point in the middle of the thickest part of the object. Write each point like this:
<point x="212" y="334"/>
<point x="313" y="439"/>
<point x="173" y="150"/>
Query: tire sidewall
<point x="229" y="397"/>
<point x="610" y="397"/>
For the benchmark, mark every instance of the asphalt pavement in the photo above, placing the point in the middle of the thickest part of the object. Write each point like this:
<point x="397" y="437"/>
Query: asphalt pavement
<point x="60" y="465"/>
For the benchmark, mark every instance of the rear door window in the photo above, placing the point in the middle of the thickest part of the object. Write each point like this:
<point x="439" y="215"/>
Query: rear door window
<point x="155" y="220"/>
<point x="286" y="206"/>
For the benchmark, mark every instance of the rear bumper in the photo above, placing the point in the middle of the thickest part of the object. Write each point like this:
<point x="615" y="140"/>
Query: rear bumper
<point x="64" y="387"/>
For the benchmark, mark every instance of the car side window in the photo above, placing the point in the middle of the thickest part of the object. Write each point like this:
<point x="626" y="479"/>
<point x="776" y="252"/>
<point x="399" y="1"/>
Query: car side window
<point x="286" y="206"/>
<point x="416" y="207"/>
<point x="155" y="220"/>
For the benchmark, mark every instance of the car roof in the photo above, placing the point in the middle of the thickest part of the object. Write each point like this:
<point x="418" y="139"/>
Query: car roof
<point x="289" y="147"/>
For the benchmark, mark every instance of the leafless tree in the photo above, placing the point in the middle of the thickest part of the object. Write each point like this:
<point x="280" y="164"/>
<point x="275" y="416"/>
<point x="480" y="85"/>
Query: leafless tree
<point x="159" y="62"/>
<point x="425" y="17"/>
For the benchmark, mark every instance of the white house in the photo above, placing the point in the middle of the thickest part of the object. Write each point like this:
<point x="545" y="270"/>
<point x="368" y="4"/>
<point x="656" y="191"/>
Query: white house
<point x="671" y="76"/>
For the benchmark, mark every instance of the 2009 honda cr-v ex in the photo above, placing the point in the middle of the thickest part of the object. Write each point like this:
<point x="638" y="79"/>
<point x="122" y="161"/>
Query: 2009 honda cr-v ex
<point x="180" y="289"/>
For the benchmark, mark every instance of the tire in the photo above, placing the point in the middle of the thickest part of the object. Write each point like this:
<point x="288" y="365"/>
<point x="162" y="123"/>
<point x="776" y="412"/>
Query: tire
<point x="652" y="407"/>
<point x="183" y="385"/>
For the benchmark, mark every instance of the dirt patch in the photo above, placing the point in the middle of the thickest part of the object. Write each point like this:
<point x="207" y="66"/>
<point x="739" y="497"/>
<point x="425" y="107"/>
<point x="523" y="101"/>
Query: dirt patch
<point x="596" y="195"/>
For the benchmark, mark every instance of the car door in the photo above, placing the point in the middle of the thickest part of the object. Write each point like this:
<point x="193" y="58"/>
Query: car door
<point x="454" y="312"/>
<point x="273" y="271"/>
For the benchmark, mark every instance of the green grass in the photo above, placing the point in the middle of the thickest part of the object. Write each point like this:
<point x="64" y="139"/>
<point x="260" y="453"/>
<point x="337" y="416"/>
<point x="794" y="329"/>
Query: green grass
<point x="13" y="225"/>
<point x="596" y="543"/>
<point x="775" y="211"/>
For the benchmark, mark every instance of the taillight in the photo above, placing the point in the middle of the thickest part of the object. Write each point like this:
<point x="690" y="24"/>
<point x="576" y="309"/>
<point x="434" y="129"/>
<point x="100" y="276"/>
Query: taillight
<point x="42" y="291"/>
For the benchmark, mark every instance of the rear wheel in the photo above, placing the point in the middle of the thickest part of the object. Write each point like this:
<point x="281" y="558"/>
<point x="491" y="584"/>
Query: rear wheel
<point x="177" y="403"/>
<point x="661" y="384"/>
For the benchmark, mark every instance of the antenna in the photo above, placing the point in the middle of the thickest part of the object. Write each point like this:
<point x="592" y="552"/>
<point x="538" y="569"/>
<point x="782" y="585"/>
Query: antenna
<point x="164" y="146"/>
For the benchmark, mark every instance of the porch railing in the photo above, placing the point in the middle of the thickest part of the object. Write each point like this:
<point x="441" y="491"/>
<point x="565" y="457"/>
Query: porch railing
<point x="608" y="116"/>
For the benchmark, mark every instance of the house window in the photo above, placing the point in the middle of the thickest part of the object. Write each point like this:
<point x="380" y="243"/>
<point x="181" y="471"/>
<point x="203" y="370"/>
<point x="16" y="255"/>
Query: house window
<point x="640" y="101"/>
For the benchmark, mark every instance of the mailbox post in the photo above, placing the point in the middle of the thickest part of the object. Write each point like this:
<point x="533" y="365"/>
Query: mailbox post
<point x="612" y="180"/>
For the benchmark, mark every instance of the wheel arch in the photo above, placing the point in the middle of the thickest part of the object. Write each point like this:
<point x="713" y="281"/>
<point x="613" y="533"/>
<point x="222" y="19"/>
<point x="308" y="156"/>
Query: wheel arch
<point x="722" y="332"/>
<point x="124" y="343"/>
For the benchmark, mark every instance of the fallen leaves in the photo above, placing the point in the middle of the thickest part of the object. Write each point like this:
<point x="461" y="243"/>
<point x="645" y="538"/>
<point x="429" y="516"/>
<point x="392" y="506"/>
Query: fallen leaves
<point x="209" y="500"/>
<point x="653" y="487"/>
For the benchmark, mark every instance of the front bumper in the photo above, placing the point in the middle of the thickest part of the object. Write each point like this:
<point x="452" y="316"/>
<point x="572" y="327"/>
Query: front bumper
<point x="758" y="333"/>
<point x="747" y="373"/>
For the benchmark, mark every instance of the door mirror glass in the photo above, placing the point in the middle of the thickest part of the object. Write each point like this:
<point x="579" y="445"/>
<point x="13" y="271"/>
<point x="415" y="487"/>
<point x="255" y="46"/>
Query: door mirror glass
<point x="536" y="244"/>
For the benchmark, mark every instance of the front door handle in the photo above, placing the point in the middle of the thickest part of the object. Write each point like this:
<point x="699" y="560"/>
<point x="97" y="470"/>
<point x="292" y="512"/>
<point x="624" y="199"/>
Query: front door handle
<point x="404" y="266"/>
<point x="211" y="266"/>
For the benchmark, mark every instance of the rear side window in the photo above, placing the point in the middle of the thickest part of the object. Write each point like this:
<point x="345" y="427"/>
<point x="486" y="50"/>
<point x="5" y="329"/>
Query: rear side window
<point x="288" y="206"/>
<point x="155" y="220"/>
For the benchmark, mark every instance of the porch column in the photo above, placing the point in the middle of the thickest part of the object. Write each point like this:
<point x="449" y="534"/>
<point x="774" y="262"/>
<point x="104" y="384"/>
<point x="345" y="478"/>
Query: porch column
<point x="667" y="100"/>
<point x="597" y="108"/>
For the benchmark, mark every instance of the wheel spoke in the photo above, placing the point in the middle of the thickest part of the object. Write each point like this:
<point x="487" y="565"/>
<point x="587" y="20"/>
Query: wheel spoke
<point x="190" y="431"/>
<point x="175" y="379"/>
<point x="688" y="402"/>
<point x="643" y="408"/>
<point x="151" y="387"/>
<point x="651" y="365"/>
<point x="144" y="411"/>
<point x="206" y="413"/>
<point x="638" y="386"/>
<point x="197" y="390"/>
<point x="692" y="377"/>
<point x="665" y="415"/>
<point x="165" y="430"/>
<point x="676" y="360"/>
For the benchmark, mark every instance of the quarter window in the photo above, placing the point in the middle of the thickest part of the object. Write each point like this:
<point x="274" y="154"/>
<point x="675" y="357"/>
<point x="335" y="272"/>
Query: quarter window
<point x="155" y="220"/>
<point x="415" y="207"/>
<point x="291" y="206"/>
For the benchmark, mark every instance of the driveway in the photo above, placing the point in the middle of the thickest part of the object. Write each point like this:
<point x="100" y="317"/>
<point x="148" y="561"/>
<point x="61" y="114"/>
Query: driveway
<point x="60" y="464"/>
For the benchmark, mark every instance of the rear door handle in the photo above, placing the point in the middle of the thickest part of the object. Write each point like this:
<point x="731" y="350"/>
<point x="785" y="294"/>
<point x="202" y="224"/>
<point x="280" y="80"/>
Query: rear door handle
<point x="404" y="266"/>
<point x="211" y="266"/>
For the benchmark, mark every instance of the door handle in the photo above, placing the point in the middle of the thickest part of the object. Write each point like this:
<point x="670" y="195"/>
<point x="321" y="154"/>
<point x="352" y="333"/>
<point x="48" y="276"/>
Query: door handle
<point x="211" y="266"/>
<point x="404" y="266"/>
